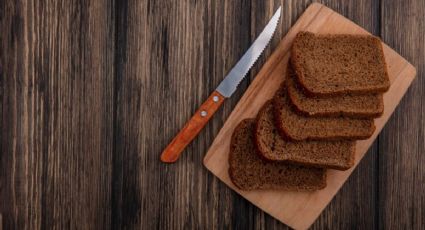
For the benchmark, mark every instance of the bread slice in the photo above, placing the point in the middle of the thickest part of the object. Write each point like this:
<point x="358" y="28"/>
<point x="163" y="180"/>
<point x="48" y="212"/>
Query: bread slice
<point x="338" y="64"/>
<point x="328" y="154"/>
<point x="298" y="127"/>
<point x="248" y="171"/>
<point x="347" y="105"/>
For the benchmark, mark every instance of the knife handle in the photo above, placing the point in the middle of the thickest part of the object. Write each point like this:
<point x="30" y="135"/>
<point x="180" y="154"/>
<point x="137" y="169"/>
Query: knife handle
<point x="192" y="128"/>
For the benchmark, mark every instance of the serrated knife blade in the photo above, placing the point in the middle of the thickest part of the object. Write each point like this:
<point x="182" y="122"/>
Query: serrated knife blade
<point x="230" y="83"/>
<point x="226" y="88"/>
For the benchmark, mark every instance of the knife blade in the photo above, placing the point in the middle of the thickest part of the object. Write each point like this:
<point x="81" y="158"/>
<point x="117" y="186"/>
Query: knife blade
<point x="224" y="90"/>
<point x="230" y="83"/>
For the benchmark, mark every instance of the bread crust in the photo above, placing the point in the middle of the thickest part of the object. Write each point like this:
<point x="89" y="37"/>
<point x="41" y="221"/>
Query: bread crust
<point x="328" y="112"/>
<point x="355" y="90"/>
<point x="277" y="103"/>
<point x="263" y="153"/>
<point x="317" y="175"/>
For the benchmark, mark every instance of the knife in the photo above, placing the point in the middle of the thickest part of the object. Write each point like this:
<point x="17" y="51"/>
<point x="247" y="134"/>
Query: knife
<point x="226" y="88"/>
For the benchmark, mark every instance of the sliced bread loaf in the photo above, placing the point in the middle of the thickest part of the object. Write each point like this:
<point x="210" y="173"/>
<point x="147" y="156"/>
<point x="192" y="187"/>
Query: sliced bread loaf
<point x="347" y="105"/>
<point x="338" y="64"/>
<point x="248" y="171"/>
<point x="299" y="127"/>
<point x="329" y="154"/>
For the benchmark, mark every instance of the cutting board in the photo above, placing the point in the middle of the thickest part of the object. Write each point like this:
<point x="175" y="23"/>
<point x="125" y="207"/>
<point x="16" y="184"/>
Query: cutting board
<point x="300" y="209"/>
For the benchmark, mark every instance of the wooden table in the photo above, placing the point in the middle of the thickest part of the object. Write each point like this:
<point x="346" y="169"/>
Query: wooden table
<point x="92" y="91"/>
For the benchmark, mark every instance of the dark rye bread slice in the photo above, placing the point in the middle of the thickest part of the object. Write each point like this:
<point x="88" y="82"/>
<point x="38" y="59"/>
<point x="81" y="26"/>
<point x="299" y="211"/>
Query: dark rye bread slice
<point x="299" y="127"/>
<point x="347" y="105"/>
<point x="338" y="64"/>
<point x="327" y="154"/>
<point x="248" y="171"/>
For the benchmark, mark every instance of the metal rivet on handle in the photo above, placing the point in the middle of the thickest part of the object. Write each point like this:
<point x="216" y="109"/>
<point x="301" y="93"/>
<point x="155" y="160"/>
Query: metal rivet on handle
<point x="203" y="113"/>
<point x="215" y="98"/>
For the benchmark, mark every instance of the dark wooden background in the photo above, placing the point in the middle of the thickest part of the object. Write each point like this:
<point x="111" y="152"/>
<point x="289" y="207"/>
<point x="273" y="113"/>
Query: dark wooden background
<point x="92" y="91"/>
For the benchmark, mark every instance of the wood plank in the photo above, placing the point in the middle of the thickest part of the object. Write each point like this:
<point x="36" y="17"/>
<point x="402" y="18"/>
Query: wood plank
<point x="354" y="206"/>
<point x="299" y="210"/>
<point x="56" y="96"/>
<point x="401" y="145"/>
<point x="164" y="64"/>
<point x="242" y="214"/>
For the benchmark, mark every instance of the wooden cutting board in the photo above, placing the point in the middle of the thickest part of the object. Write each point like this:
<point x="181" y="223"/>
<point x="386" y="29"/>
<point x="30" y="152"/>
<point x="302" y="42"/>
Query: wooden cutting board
<point x="300" y="209"/>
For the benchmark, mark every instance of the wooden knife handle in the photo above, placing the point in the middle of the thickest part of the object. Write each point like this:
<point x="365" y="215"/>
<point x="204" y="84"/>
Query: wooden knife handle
<point x="192" y="128"/>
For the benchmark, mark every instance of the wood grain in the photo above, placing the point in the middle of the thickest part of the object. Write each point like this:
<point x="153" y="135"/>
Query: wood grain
<point x="401" y="160"/>
<point x="92" y="91"/>
<point x="57" y="114"/>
